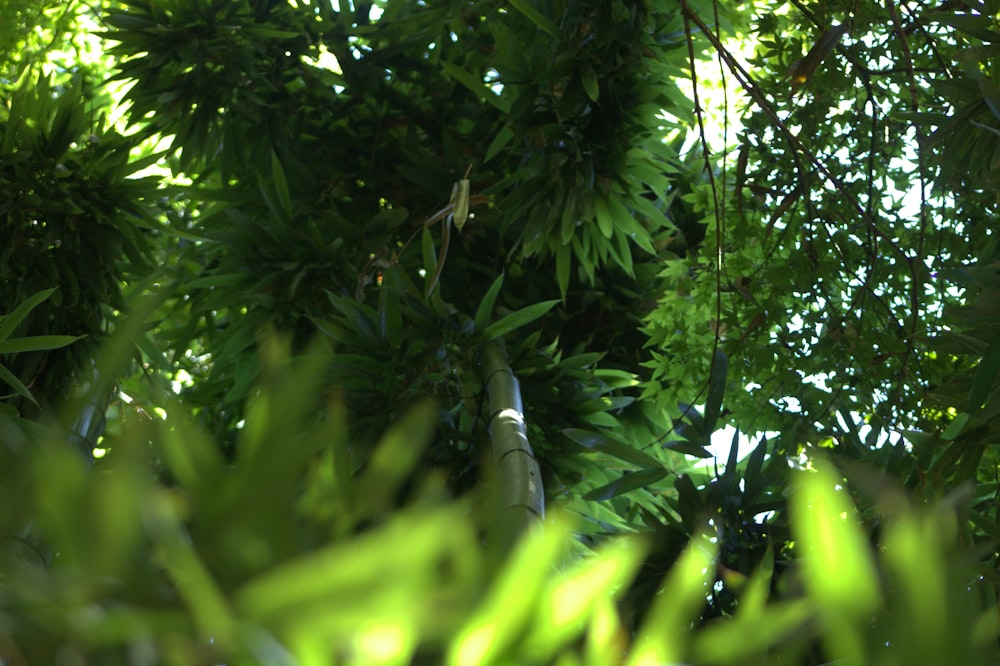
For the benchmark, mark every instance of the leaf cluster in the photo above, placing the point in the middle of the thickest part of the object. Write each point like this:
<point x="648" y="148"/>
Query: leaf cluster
<point x="166" y="553"/>
<point x="74" y="219"/>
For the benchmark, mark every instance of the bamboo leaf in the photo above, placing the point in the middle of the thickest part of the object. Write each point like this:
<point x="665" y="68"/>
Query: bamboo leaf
<point x="836" y="560"/>
<point x="8" y="323"/>
<point x="602" y="211"/>
<point x="716" y="390"/>
<point x="688" y="448"/>
<point x="517" y="319"/>
<point x="476" y="86"/>
<point x="37" y="343"/>
<point x="595" y="441"/>
<point x="664" y="634"/>
<point x="281" y="186"/>
<point x="11" y="380"/>
<point x="628" y="482"/>
<point x="564" y="262"/>
<point x="734" y="449"/>
<point x="591" y="86"/>
<point x="536" y="17"/>
<point x="985" y="376"/>
<point x="499" y="142"/>
<point x="485" y="309"/>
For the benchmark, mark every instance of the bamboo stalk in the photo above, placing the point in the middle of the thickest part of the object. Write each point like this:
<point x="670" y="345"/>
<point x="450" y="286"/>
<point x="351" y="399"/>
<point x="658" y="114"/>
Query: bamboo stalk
<point x="521" y="498"/>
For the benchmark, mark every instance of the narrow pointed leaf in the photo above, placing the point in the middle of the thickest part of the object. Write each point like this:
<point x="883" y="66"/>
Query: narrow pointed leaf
<point x="8" y="323"/>
<point x="716" y="390"/>
<point x="628" y="482"/>
<point x="527" y="8"/>
<point x="37" y="343"/>
<point x="281" y="186"/>
<point x="11" y="380"/>
<point x="594" y="441"/>
<point x="485" y="309"/>
<point x="517" y="319"/>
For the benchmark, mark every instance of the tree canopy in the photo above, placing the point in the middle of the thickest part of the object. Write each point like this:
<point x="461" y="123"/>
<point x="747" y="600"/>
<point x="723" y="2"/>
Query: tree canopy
<point x="406" y="332"/>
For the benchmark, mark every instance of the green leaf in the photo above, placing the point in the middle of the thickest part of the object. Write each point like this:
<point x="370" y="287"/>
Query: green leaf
<point x="37" y="343"/>
<point x="375" y="570"/>
<point x="190" y="575"/>
<point x="281" y="186"/>
<point x="517" y="319"/>
<point x="536" y="17"/>
<point x="510" y="604"/>
<point x="976" y="26"/>
<point x="605" y="220"/>
<point x="716" y="390"/>
<point x="485" y="310"/>
<point x="595" y="441"/>
<point x="752" y="634"/>
<point x="986" y="374"/>
<point x="11" y="380"/>
<point x="11" y="321"/>
<point x="386" y="220"/>
<point x="688" y="448"/>
<point x="578" y="592"/>
<point x="428" y="254"/>
<point x="476" y="86"/>
<point x="628" y="482"/>
<point x="955" y="427"/>
<point x="564" y="262"/>
<point x="622" y="252"/>
<point x="755" y="462"/>
<point x="499" y="142"/>
<point x="591" y="86"/>
<point x="266" y="32"/>
<point x="836" y="560"/>
<point x="389" y="316"/>
<point x="734" y="450"/>
<point x="398" y="452"/>
<point x="664" y="634"/>
<point x="358" y="314"/>
<point x="153" y="352"/>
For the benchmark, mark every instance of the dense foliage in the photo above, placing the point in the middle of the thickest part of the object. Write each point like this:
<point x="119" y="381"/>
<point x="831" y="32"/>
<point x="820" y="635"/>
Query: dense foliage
<point x="272" y="252"/>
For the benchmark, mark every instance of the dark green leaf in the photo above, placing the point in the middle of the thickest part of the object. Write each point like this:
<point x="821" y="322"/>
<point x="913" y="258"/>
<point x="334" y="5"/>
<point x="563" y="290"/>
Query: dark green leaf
<point x="281" y="186"/>
<point x="595" y="441"/>
<point x="564" y="262"/>
<point x="499" y="142"/>
<point x="485" y="310"/>
<point x="517" y="319"/>
<point x="986" y="374"/>
<point x="734" y="449"/>
<point x="476" y="86"/>
<point x="9" y="378"/>
<point x="588" y="78"/>
<point x="716" y="391"/>
<point x="37" y="343"/>
<point x="8" y="323"/>
<point x="688" y="448"/>
<point x="629" y="481"/>
<point x="542" y="22"/>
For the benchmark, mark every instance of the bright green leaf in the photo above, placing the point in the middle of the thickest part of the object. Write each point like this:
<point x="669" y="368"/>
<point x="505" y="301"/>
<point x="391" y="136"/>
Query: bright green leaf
<point x="837" y="563"/>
